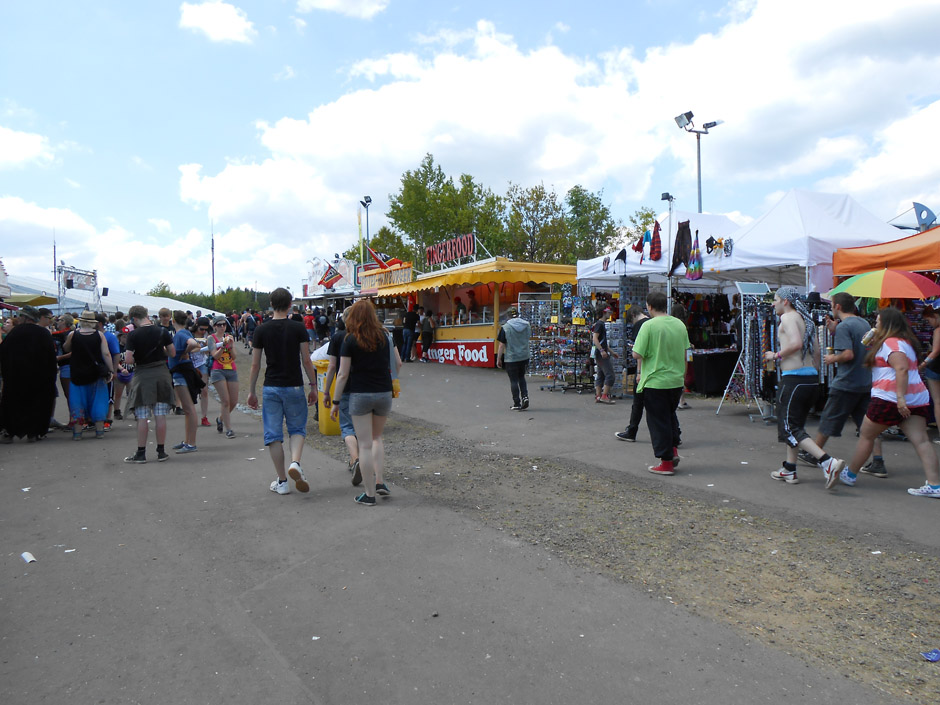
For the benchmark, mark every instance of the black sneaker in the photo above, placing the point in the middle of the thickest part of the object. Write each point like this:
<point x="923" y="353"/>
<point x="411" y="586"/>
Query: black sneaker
<point x="382" y="489"/>
<point x="366" y="500"/>
<point x="624" y="436"/>
<point x="807" y="459"/>
<point x="357" y="474"/>
<point x="218" y="424"/>
<point x="525" y="402"/>
<point x="118" y="415"/>
<point x="139" y="458"/>
<point x="161" y="456"/>
<point x="516" y="407"/>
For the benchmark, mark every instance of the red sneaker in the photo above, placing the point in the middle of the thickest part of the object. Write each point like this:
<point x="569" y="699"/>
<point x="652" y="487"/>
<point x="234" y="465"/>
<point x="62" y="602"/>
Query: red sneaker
<point x="664" y="468"/>
<point x="675" y="457"/>
<point x="205" y="421"/>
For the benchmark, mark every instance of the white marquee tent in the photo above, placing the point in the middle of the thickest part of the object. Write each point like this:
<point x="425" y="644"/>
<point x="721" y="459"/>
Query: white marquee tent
<point x="77" y="299"/>
<point x="792" y="243"/>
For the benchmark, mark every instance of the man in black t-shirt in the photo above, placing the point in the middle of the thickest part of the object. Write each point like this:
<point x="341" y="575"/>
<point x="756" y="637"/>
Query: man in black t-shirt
<point x="286" y="347"/>
<point x="636" y="318"/>
<point x="150" y="393"/>
<point x="409" y="324"/>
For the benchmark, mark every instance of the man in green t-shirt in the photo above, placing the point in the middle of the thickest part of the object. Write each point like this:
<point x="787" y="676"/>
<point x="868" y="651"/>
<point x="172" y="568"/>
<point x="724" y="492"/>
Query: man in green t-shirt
<point x="660" y="346"/>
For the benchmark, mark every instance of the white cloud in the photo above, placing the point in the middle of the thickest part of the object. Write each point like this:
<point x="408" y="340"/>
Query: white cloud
<point x="163" y="226"/>
<point x="19" y="149"/>
<point x="363" y="9"/>
<point x="299" y="25"/>
<point x="804" y="112"/>
<point x="72" y="183"/>
<point x="219" y="21"/>
<point x="139" y="162"/>
<point x="284" y="74"/>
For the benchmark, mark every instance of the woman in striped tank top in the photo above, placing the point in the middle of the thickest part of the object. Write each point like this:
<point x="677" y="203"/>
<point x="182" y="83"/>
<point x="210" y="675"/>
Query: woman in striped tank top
<point x="898" y="396"/>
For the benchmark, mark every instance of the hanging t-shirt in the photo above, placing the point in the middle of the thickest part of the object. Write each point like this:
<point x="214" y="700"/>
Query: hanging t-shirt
<point x="884" y="383"/>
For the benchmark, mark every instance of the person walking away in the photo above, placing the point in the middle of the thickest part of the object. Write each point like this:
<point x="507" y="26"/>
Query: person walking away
<point x="660" y="348"/>
<point x="409" y="324"/>
<point x="513" y="354"/>
<point x="602" y="355"/>
<point x="932" y="316"/>
<point x="223" y="374"/>
<point x="898" y="397"/>
<point x="150" y="393"/>
<point x="186" y="382"/>
<point x="427" y="336"/>
<point x="366" y="362"/>
<point x="636" y="318"/>
<point x="248" y="327"/>
<point x="799" y="387"/>
<point x="346" y="428"/>
<point x="286" y="348"/>
<point x="89" y="397"/>
<point x="28" y="369"/>
<point x="850" y="388"/>
<point x="114" y="349"/>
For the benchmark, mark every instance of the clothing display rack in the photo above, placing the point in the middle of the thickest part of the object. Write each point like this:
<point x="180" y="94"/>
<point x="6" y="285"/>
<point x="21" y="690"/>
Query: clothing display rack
<point x="749" y="381"/>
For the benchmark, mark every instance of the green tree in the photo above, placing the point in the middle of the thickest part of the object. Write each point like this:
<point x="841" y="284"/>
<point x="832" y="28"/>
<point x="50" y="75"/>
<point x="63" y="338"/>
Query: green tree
<point x="641" y="221"/>
<point x="162" y="289"/>
<point x="591" y="230"/>
<point x="417" y="210"/>
<point x="536" y="226"/>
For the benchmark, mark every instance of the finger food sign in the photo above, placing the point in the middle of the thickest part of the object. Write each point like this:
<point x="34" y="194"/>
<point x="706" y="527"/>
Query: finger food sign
<point x="451" y="250"/>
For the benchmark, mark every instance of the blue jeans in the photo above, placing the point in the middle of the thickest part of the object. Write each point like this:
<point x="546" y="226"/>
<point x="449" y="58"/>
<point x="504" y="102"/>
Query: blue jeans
<point x="280" y="405"/>
<point x="408" y="337"/>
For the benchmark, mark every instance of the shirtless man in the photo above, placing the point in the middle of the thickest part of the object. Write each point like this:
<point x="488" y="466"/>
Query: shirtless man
<point x="797" y="357"/>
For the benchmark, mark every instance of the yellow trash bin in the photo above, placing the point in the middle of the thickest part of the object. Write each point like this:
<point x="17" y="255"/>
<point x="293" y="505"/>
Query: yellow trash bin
<point x="328" y="427"/>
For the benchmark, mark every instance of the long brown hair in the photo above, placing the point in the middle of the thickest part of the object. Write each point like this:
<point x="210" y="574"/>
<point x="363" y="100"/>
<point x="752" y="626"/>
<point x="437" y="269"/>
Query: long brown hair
<point x="891" y="324"/>
<point x="364" y="326"/>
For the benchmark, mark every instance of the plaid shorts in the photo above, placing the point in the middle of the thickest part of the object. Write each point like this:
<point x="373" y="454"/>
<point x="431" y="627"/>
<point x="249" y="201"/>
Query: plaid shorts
<point x="158" y="409"/>
<point x="886" y="413"/>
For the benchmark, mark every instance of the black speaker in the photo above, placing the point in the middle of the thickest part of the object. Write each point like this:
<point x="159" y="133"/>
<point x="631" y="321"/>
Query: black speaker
<point x="104" y="291"/>
<point x="68" y="283"/>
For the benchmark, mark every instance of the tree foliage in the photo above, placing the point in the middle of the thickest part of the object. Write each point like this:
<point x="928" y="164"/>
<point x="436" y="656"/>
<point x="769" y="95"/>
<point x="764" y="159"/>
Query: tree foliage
<point x="537" y="229"/>
<point x="641" y="221"/>
<point x="386" y="241"/>
<point x="591" y="230"/>
<point x="228" y="300"/>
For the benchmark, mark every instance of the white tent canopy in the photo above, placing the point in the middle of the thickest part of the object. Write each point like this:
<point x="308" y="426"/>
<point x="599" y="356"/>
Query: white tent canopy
<point x="605" y="270"/>
<point x="793" y="242"/>
<point x="78" y="299"/>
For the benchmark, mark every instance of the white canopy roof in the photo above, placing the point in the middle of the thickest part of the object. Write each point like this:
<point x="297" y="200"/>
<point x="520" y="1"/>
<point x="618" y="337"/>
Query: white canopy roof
<point x="792" y="243"/>
<point x="800" y="233"/>
<point x="77" y="299"/>
<point x="595" y="272"/>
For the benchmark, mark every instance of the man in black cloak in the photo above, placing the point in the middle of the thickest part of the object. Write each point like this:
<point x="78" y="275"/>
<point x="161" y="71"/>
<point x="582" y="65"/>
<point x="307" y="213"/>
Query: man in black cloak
<point x="28" y="369"/>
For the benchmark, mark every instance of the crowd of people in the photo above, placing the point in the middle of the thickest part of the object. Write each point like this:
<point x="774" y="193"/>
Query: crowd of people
<point x="163" y="364"/>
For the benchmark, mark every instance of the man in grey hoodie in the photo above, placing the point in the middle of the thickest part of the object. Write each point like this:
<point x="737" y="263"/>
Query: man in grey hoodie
<point x="513" y="342"/>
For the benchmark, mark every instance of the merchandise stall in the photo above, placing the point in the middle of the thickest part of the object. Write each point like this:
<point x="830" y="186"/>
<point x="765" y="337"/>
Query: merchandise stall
<point x="469" y="301"/>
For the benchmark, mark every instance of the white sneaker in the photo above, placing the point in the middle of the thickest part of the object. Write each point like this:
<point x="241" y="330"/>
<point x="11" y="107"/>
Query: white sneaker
<point x="297" y="475"/>
<point x="280" y="487"/>
<point x="925" y="491"/>
<point x="832" y="468"/>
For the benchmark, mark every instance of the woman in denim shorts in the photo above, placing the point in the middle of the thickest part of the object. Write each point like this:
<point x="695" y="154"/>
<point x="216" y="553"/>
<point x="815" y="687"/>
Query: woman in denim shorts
<point x="365" y="367"/>
<point x="223" y="375"/>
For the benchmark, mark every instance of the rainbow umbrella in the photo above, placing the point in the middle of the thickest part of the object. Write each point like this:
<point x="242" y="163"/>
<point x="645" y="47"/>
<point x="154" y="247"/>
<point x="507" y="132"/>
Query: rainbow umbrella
<point x="888" y="284"/>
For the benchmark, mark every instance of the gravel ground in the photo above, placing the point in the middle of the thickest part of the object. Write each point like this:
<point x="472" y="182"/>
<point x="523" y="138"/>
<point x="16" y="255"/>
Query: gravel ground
<point x="827" y="600"/>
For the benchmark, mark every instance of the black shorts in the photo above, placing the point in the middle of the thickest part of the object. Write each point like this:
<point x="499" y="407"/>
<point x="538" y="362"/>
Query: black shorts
<point x="840" y="405"/>
<point x="795" y="398"/>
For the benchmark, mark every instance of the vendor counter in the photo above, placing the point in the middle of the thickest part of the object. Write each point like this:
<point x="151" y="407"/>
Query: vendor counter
<point x="466" y="344"/>
<point x="713" y="369"/>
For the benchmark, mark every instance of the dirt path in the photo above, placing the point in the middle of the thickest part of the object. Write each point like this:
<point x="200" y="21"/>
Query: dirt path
<point x="832" y="602"/>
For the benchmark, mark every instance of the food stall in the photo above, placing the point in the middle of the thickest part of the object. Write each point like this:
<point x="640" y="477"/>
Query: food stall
<point x="469" y="301"/>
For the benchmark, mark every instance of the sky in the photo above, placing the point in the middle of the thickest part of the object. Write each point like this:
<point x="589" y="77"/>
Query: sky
<point x="131" y="131"/>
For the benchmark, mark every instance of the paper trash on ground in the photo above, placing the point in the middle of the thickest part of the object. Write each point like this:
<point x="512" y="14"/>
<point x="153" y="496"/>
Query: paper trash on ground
<point x="28" y="557"/>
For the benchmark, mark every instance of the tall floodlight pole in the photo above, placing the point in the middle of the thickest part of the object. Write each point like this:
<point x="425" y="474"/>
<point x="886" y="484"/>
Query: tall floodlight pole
<point x="684" y="121"/>
<point x="366" y="202"/>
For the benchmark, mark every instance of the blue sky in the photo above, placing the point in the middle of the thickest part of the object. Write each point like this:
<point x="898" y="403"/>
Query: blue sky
<point x="128" y="126"/>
